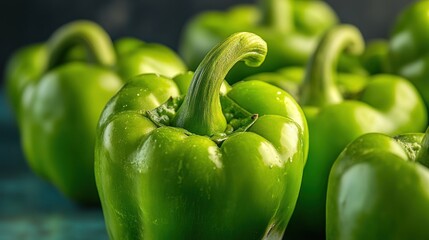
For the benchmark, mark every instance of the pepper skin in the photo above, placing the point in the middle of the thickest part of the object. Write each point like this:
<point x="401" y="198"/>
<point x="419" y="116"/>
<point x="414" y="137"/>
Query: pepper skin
<point x="133" y="57"/>
<point x="290" y="27"/>
<point x="217" y="163"/>
<point x="378" y="189"/>
<point x="408" y="51"/>
<point x="291" y="78"/>
<point x="24" y="66"/>
<point x="339" y="108"/>
<point x="58" y="103"/>
<point x="375" y="58"/>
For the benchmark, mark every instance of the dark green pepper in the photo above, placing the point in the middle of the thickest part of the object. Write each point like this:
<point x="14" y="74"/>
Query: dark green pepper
<point x="58" y="103"/>
<point x="408" y="48"/>
<point x="339" y="108"/>
<point x="378" y="189"/>
<point x="375" y="57"/>
<point x="217" y="163"/>
<point x="290" y="27"/>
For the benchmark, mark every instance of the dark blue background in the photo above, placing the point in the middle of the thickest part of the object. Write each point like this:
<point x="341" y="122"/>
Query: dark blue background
<point x="27" y="21"/>
<point x="30" y="208"/>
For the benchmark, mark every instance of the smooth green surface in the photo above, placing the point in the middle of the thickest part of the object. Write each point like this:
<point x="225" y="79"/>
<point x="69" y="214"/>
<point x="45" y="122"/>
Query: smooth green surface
<point x="408" y="49"/>
<point x="386" y="104"/>
<point x="165" y="178"/>
<point x="25" y="66"/>
<point x="339" y="107"/>
<point x="291" y="29"/>
<point x="378" y="189"/>
<point x="58" y="91"/>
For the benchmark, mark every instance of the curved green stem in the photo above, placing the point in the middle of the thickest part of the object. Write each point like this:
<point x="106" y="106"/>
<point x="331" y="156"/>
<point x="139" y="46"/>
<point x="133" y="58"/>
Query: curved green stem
<point x="201" y="112"/>
<point x="423" y="155"/>
<point x="319" y="87"/>
<point x="277" y="14"/>
<point x="97" y="43"/>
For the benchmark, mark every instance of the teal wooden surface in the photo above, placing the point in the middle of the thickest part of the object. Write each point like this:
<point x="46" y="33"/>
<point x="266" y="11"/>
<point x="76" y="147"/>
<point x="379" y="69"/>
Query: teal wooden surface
<point x="30" y="208"/>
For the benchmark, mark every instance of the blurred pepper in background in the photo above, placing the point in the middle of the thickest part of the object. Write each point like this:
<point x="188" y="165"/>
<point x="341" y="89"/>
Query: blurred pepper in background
<point x="291" y="29"/>
<point x="409" y="48"/>
<point x="375" y="57"/>
<point x="59" y="89"/>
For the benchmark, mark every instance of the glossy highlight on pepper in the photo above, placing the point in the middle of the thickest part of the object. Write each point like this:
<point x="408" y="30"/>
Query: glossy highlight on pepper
<point x="339" y="107"/>
<point x="378" y="189"/>
<point x="215" y="162"/>
<point x="58" y="90"/>
<point x="408" y="53"/>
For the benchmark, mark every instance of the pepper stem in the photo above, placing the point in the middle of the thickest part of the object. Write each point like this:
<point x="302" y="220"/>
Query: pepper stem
<point x="319" y="87"/>
<point x="97" y="43"/>
<point x="277" y="14"/>
<point x="423" y="154"/>
<point x="201" y="111"/>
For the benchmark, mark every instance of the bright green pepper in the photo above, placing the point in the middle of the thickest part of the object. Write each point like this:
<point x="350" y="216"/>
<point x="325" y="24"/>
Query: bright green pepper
<point x="378" y="189"/>
<point x="26" y="65"/>
<point x="133" y="56"/>
<point x="290" y="27"/>
<point x="59" y="102"/>
<point x="217" y="163"/>
<point x="408" y="48"/>
<point x="339" y="108"/>
<point x="137" y="57"/>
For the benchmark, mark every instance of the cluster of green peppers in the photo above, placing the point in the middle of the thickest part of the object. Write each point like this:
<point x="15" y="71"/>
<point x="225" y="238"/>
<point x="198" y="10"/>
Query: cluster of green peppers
<point x="378" y="180"/>
<point x="58" y="89"/>
<point x="297" y="144"/>
<point x="343" y="106"/>
<point x="291" y="29"/>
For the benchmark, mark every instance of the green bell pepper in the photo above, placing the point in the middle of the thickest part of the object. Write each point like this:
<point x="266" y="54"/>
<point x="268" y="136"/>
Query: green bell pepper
<point x="378" y="189"/>
<point x="24" y="66"/>
<point x="290" y="27"/>
<point x="408" y="48"/>
<point x="217" y="163"/>
<point x="387" y="104"/>
<point x="59" y="102"/>
<point x="133" y="56"/>
<point x="339" y="108"/>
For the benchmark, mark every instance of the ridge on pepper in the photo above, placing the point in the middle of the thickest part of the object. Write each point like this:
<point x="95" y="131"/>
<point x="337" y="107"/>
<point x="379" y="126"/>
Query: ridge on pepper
<point x="340" y="107"/>
<point x="378" y="189"/>
<point x="58" y="89"/>
<point x="194" y="158"/>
